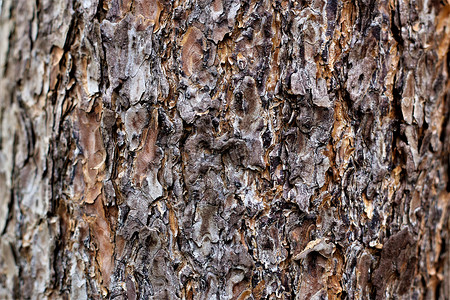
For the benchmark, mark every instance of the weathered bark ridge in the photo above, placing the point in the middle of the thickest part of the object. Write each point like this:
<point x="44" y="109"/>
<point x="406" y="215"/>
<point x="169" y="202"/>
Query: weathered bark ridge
<point x="231" y="149"/>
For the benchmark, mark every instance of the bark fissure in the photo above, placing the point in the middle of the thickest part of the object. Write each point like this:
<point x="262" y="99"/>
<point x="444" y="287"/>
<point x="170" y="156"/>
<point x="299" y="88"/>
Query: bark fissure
<point x="224" y="149"/>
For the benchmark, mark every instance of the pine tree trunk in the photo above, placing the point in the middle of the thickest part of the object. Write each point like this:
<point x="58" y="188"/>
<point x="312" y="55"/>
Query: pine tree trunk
<point x="225" y="149"/>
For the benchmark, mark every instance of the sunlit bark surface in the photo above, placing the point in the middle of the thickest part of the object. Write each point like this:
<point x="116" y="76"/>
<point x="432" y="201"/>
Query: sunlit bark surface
<point x="225" y="149"/>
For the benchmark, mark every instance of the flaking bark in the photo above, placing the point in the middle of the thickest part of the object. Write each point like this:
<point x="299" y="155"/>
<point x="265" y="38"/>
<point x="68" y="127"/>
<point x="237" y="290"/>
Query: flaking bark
<point x="225" y="149"/>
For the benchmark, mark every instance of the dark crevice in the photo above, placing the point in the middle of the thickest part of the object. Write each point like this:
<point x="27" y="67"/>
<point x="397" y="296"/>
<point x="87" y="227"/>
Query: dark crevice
<point x="12" y="191"/>
<point x="101" y="13"/>
<point x="8" y="51"/>
<point x="445" y="137"/>
<point x="397" y="134"/>
<point x="395" y="30"/>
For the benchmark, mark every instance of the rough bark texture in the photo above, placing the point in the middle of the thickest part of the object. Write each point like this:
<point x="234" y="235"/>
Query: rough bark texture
<point x="226" y="149"/>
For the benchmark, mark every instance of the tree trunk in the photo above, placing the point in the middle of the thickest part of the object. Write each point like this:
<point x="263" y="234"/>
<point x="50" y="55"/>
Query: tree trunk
<point x="226" y="149"/>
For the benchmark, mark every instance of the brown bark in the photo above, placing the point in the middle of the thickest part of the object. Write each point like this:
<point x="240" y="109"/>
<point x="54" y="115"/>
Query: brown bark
<point x="229" y="149"/>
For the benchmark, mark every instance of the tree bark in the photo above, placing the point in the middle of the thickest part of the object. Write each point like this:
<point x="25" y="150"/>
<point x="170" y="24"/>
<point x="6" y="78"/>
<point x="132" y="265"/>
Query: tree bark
<point x="225" y="149"/>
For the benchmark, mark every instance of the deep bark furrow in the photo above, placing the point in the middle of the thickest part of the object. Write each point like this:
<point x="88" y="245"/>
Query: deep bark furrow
<point x="224" y="149"/>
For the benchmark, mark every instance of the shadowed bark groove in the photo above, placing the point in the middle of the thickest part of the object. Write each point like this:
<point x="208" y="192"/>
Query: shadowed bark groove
<point x="224" y="149"/>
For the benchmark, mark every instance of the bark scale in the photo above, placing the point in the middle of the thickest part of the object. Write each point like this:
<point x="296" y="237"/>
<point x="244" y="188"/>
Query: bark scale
<point x="225" y="149"/>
